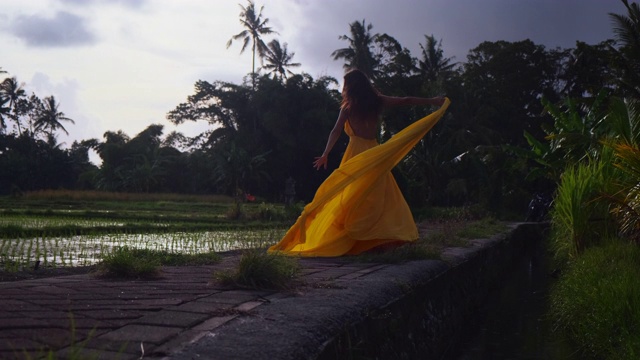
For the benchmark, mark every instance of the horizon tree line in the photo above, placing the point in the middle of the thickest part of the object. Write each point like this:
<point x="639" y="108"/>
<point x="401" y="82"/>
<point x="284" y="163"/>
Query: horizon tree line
<point x="265" y="132"/>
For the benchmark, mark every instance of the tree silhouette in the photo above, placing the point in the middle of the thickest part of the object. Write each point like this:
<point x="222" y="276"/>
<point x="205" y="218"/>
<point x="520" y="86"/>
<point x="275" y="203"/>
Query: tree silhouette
<point x="279" y="60"/>
<point x="48" y="118"/>
<point x="358" y="53"/>
<point x="627" y="32"/>
<point x="255" y="27"/>
<point x="12" y="92"/>
<point x="433" y="62"/>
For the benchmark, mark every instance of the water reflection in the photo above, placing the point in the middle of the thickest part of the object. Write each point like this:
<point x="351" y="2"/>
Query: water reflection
<point x="89" y="249"/>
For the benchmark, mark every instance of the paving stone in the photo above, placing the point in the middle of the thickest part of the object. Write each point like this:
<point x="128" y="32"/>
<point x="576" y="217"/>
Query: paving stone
<point x="54" y="337"/>
<point x="160" y="302"/>
<point x="46" y="315"/>
<point x="232" y="297"/>
<point x="173" y="318"/>
<point x="111" y="314"/>
<point x="93" y="354"/>
<point x="23" y="323"/>
<point x="142" y="333"/>
<point x="7" y="315"/>
<point x="201" y="307"/>
<point x="48" y="289"/>
<point x="248" y="305"/>
<point x="117" y="346"/>
<point x="214" y="322"/>
<point x="17" y="343"/>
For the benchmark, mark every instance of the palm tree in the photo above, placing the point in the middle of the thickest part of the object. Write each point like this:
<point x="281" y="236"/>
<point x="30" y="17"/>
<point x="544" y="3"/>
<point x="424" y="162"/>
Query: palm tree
<point x="4" y="112"/>
<point x="278" y="60"/>
<point x="12" y="91"/>
<point x="49" y="117"/>
<point x="255" y="27"/>
<point x="358" y="54"/>
<point x="433" y="63"/>
<point x="627" y="31"/>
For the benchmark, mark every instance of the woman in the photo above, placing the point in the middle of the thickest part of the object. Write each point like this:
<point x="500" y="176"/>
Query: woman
<point x="359" y="206"/>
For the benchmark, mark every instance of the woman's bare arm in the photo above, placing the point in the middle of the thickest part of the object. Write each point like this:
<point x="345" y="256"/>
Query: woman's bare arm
<point x="321" y="161"/>
<point x="389" y="101"/>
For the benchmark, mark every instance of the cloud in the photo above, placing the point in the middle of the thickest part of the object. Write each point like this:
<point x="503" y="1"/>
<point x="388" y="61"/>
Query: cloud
<point x="135" y="4"/>
<point x="63" y="30"/>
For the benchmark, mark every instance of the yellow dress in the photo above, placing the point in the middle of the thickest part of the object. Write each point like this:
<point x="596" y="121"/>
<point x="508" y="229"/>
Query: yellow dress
<point x="359" y="206"/>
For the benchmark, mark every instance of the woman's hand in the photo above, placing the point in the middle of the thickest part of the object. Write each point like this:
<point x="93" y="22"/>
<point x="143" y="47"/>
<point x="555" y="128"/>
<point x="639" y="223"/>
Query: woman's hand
<point x="321" y="161"/>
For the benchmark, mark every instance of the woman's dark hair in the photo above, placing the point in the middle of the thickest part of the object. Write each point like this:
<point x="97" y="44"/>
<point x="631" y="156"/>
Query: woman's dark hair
<point x="359" y="96"/>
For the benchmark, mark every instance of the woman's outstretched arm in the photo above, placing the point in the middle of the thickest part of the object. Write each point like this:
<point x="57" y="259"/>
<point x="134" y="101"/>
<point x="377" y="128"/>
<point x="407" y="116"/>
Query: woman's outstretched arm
<point x="389" y="101"/>
<point x="321" y="161"/>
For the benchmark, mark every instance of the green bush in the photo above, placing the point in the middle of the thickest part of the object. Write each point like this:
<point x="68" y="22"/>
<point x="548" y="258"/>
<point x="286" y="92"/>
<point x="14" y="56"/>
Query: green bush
<point x="597" y="301"/>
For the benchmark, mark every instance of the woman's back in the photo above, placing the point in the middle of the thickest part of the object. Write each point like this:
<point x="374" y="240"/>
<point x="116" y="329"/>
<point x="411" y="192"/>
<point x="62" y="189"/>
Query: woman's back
<point x="364" y="126"/>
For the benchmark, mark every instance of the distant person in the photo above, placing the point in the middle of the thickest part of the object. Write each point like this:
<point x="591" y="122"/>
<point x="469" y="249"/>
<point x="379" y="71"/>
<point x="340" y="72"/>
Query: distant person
<point x="359" y="206"/>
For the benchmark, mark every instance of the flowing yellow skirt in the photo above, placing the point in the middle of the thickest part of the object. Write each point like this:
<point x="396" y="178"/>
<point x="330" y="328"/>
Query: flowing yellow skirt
<point x="359" y="206"/>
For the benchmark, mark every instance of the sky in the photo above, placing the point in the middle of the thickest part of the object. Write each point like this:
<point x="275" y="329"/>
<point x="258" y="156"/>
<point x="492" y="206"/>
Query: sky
<point x="124" y="64"/>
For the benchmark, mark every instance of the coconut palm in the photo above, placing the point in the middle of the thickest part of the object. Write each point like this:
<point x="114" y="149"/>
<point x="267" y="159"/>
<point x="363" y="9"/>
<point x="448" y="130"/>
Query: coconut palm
<point x="255" y="27"/>
<point x="279" y="60"/>
<point x="48" y="118"/>
<point x="627" y="32"/>
<point x="358" y="54"/>
<point x="433" y="63"/>
<point x="12" y="91"/>
<point x="4" y="112"/>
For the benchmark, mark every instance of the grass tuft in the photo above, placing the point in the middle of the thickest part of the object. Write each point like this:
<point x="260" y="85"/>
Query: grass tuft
<point x="125" y="262"/>
<point x="260" y="270"/>
<point x="597" y="301"/>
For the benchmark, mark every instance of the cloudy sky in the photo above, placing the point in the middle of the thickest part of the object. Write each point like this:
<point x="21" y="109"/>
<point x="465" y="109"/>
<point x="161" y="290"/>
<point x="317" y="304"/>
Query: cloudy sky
<point x="123" y="64"/>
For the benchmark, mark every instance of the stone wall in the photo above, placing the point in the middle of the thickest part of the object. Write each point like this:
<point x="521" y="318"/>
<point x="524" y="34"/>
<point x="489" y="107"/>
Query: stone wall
<point x="434" y="312"/>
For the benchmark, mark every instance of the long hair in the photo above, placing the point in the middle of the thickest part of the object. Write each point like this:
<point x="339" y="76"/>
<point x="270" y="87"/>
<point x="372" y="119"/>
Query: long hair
<point x="359" y="96"/>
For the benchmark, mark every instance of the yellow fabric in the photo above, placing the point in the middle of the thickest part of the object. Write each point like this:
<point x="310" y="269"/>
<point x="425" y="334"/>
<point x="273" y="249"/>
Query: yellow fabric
<point x="359" y="206"/>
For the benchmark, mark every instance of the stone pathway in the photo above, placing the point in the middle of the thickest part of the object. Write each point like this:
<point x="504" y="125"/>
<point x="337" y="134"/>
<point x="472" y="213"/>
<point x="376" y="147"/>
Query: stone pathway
<point x="84" y="317"/>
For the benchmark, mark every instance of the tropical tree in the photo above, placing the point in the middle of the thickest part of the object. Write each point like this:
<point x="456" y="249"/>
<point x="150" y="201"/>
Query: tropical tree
<point x="12" y="91"/>
<point x="49" y="117"/>
<point x="627" y="32"/>
<point x="358" y="54"/>
<point x="279" y="60"/>
<point x="505" y="81"/>
<point x="585" y="70"/>
<point x="4" y="112"/>
<point x="255" y="27"/>
<point x="433" y="64"/>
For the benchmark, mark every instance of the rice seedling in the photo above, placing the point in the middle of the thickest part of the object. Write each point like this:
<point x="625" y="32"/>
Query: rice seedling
<point x="84" y="250"/>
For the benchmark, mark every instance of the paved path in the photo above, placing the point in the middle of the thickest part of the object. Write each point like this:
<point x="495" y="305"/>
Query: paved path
<point x="81" y="316"/>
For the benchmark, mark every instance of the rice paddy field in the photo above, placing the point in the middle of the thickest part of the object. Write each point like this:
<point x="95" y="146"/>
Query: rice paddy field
<point x="67" y="229"/>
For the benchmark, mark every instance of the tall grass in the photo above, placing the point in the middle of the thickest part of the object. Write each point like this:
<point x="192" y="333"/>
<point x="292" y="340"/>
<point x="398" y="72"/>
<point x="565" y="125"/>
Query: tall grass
<point x="580" y="215"/>
<point x="597" y="302"/>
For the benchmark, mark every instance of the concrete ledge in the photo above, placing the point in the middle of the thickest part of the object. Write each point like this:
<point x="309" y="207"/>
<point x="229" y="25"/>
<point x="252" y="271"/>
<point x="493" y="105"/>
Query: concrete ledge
<point x="414" y="310"/>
